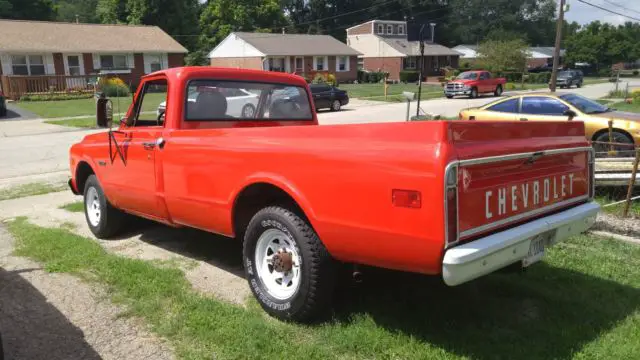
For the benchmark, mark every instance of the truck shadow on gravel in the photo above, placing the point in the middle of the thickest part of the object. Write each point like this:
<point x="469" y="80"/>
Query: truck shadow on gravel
<point x="219" y="251"/>
<point x="34" y="329"/>
<point x="544" y="313"/>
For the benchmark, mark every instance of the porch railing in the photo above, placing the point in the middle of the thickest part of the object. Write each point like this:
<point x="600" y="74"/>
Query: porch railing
<point x="15" y="86"/>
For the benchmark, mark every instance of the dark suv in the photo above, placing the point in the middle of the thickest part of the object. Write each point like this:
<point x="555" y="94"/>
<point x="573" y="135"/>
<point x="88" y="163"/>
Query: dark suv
<point x="568" y="78"/>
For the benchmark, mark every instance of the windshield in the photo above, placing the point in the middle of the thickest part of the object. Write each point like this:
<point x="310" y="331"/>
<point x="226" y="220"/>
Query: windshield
<point x="467" y="75"/>
<point x="585" y="105"/>
<point x="564" y="74"/>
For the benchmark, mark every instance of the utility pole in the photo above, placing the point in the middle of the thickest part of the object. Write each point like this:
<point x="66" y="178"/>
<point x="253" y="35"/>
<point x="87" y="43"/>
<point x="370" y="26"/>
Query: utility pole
<point x="556" y="51"/>
<point x="421" y="69"/>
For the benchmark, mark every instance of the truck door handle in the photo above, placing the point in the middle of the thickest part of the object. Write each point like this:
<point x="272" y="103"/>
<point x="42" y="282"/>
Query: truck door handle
<point x="148" y="145"/>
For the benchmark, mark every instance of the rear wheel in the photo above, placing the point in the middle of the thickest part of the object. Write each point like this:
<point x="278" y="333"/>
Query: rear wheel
<point x="498" y="91"/>
<point x="623" y="144"/>
<point x="103" y="219"/>
<point x="449" y="96"/>
<point x="474" y="93"/>
<point x="289" y="270"/>
<point x="579" y="85"/>
<point x="248" y="111"/>
<point x="3" y="111"/>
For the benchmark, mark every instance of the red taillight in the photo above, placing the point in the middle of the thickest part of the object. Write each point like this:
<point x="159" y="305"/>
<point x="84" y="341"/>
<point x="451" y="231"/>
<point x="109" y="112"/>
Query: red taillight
<point x="451" y="205"/>
<point x="406" y="198"/>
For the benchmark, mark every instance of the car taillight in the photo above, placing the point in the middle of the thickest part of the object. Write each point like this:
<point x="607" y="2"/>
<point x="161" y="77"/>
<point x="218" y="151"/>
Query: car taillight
<point x="592" y="173"/>
<point x="451" y="204"/>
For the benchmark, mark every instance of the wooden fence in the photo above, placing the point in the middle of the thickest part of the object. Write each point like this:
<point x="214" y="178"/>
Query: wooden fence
<point x="15" y="86"/>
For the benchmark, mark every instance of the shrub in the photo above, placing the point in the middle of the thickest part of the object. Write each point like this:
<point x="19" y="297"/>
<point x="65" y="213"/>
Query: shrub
<point x="509" y="86"/>
<point x="409" y="76"/>
<point x="331" y="80"/>
<point x="319" y="79"/>
<point x="113" y="87"/>
<point x="635" y="72"/>
<point x="362" y="76"/>
<point x="55" y="97"/>
<point x="604" y="72"/>
<point x="617" y="94"/>
<point x="539" y="78"/>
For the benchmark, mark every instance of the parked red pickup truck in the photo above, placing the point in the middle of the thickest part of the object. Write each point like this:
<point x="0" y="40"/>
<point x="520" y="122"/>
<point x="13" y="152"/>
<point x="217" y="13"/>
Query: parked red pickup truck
<point x="472" y="83"/>
<point x="457" y="199"/>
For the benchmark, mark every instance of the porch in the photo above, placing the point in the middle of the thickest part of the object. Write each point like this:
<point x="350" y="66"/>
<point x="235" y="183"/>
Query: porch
<point x="432" y="64"/>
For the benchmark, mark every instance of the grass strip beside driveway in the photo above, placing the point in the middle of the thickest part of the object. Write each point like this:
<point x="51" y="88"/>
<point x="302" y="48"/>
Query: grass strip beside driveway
<point x="77" y="206"/>
<point x="84" y="122"/>
<point x="583" y="302"/>
<point x="30" y="189"/>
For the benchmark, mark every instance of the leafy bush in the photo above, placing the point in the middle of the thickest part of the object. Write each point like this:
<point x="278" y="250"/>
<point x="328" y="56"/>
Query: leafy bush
<point x="113" y="87"/>
<point x="362" y="76"/>
<point x="377" y="76"/>
<point x="509" y="86"/>
<point x="331" y="80"/>
<point x="55" y="97"/>
<point x="635" y="72"/>
<point x="604" y="72"/>
<point x="319" y="79"/>
<point x="407" y="76"/>
<point x="539" y="78"/>
<point x="618" y="94"/>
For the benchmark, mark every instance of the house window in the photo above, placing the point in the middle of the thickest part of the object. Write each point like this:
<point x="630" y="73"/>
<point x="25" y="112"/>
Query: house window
<point x="299" y="64"/>
<point x="320" y="63"/>
<point x="73" y="62"/>
<point x="360" y="63"/>
<point x="380" y="29"/>
<point x="113" y="61"/>
<point x="342" y="63"/>
<point x="389" y="29"/>
<point x="410" y="62"/>
<point x="400" y="29"/>
<point x="28" y="64"/>
<point x="276" y="64"/>
<point x="155" y="63"/>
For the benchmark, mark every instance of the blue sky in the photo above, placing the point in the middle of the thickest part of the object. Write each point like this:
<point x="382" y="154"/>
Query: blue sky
<point x="583" y="13"/>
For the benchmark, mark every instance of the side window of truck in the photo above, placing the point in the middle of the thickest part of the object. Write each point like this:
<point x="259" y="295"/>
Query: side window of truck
<point x="151" y="104"/>
<point x="540" y="105"/>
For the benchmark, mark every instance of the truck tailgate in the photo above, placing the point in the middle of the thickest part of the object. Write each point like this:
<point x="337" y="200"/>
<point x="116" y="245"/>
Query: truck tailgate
<point x="512" y="172"/>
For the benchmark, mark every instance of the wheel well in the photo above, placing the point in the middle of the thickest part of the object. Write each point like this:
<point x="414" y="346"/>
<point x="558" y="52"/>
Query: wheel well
<point x="258" y="196"/>
<point x="83" y="170"/>
<point x="606" y="130"/>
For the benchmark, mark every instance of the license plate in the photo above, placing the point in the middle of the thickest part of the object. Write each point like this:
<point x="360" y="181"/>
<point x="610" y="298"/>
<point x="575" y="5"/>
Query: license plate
<point x="537" y="247"/>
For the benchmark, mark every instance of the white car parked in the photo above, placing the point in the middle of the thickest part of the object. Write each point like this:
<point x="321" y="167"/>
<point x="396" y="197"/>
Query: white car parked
<point x="240" y="102"/>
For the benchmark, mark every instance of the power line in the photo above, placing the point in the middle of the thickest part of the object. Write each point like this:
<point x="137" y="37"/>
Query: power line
<point x="622" y="7"/>
<point x="609" y="11"/>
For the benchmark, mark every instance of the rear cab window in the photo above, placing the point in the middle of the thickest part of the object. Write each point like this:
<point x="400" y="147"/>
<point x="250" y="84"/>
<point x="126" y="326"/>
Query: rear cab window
<point x="228" y="100"/>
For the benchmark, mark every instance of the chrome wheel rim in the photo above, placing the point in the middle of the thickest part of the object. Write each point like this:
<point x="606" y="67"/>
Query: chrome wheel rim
<point x="247" y="112"/>
<point x="92" y="206"/>
<point x="336" y="105"/>
<point x="278" y="264"/>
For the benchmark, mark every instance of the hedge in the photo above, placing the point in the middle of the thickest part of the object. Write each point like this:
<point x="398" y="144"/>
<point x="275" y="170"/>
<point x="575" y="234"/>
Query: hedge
<point x="407" y="76"/>
<point x="55" y="97"/>
<point x="371" y="76"/>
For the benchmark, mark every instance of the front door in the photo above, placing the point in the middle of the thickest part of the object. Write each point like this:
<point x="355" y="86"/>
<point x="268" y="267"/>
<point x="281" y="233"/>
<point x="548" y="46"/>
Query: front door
<point x="133" y="174"/>
<point x="542" y="108"/>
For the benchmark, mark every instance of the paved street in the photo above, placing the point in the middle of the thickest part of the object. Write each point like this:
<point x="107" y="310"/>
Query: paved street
<point x="34" y="151"/>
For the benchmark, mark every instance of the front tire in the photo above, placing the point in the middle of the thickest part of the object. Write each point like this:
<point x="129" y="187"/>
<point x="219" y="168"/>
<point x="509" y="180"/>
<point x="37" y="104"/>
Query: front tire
<point x="602" y="148"/>
<point x="336" y="105"/>
<point x="103" y="219"/>
<point x="449" y="96"/>
<point x="474" y="93"/>
<point x="248" y="111"/>
<point x="289" y="270"/>
<point x="498" y="91"/>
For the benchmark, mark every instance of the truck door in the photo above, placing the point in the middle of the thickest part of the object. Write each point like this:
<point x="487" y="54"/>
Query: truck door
<point x="133" y="175"/>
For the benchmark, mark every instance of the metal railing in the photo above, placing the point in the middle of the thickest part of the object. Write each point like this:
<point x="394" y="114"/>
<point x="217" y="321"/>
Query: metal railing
<point x="15" y="86"/>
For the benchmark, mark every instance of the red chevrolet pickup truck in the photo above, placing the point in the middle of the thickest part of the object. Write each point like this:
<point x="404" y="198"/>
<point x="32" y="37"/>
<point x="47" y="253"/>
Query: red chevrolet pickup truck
<point x="456" y="199"/>
<point x="472" y="83"/>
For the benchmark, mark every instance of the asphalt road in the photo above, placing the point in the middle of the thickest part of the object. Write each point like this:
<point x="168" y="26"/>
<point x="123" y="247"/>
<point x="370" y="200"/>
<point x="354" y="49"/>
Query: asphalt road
<point x="32" y="151"/>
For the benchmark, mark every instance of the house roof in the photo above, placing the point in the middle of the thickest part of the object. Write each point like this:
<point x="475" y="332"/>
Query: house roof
<point x="44" y="36"/>
<point x="412" y="48"/>
<point x="296" y="44"/>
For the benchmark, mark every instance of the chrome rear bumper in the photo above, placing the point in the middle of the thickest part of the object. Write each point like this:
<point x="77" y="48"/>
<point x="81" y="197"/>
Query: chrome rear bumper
<point x="488" y="254"/>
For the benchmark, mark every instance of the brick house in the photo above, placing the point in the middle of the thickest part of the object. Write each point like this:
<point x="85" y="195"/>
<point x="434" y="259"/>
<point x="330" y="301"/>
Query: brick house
<point x="301" y="54"/>
<point x="384" y="47"/>
<point x="37" y="56"/>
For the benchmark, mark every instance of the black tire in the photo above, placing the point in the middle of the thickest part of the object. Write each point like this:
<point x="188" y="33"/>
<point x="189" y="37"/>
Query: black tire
<point x="312" y="298"/>
<point x="579" y="85"/>
<point x="498" y="91"/>
<point x="336" y="105"/>
<point x="248" y="111"/>
<point x="110" y="220"/>
<point x="602" y="149"/>
<point x="474" y="93"/>
<point x="3" y="112"/>
<point x="449" y="96"/>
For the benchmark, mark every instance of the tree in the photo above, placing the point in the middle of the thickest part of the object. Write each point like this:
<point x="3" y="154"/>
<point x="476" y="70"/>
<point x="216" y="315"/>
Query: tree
<point x="221" y="17"/>
<point x="85" y="10"/>
<point x="27" y="9"/>
<point x="604" y="44"/>
<point x="503" y="55"/>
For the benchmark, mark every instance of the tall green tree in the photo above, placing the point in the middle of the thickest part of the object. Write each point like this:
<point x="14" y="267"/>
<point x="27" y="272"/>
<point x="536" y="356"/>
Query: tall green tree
<point x="27" y="9"/>
<point x="84" y="10"/>
<point x="604" y="44"/>
<point x="497" y="55"/>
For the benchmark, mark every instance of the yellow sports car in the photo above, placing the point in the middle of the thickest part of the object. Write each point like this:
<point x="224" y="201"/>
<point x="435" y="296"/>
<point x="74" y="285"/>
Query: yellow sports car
<point x="567" y="106"/>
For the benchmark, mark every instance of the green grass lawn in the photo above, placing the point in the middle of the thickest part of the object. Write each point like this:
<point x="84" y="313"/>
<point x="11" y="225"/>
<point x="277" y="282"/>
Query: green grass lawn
<point x="394" y="92"/>
<point x="77" y="206"/>
<point x="30" y="189"/>
<point x="80" y="107"/>
<point x="623" y="106"/>
<point x="582" y="302"/>
<point x="84" y="122"/>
